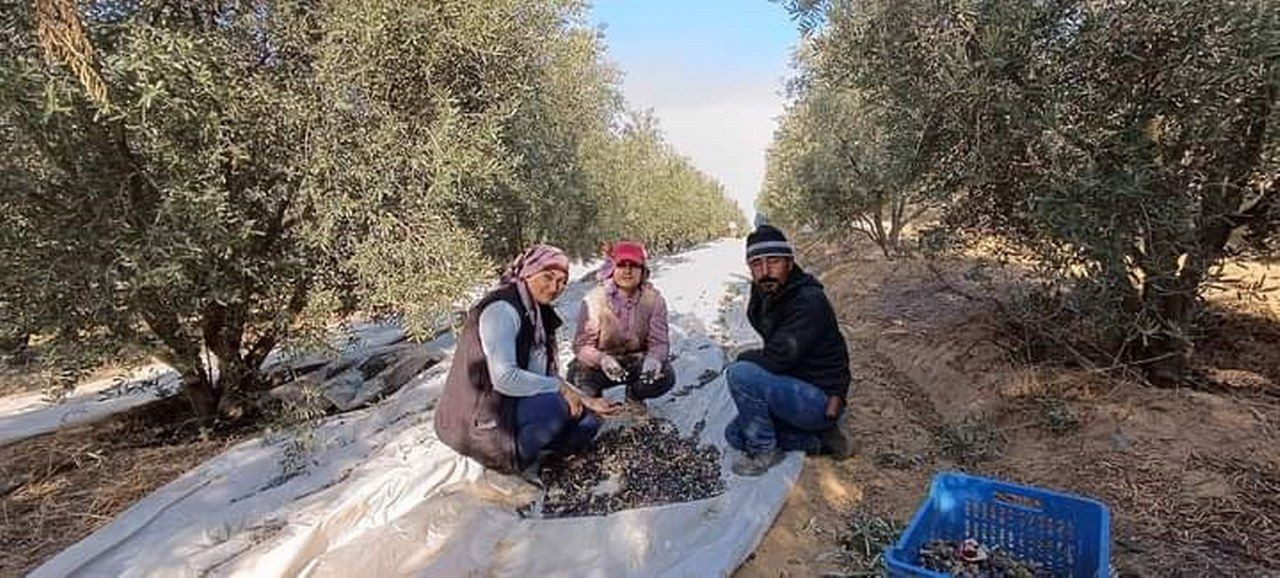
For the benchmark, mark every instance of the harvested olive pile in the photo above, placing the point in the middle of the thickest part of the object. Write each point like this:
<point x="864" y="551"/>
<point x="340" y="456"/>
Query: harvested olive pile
<point x="644" y="463"/>
<point x="971" y="559"/>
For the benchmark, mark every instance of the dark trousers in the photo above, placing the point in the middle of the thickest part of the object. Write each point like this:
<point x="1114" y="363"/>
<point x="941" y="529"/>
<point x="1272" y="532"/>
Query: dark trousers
<point x="543" y="423"/>
<point x="593" y="381"/>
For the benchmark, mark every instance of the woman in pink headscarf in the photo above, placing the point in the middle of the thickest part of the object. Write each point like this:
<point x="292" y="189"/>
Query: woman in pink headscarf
<point x="503" y="403"/>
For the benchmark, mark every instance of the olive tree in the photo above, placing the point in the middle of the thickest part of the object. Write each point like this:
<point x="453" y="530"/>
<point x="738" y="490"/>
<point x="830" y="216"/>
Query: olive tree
<point x="1129" y="147"/>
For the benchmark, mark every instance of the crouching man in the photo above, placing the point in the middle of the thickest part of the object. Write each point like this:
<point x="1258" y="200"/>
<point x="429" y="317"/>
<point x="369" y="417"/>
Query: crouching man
<point x="790" y="394"/>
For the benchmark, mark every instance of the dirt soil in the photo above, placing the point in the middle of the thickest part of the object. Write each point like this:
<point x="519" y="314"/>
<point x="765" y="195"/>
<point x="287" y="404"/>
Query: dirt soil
<point x="1191" y="477"/>
<point x="58" y="488"/>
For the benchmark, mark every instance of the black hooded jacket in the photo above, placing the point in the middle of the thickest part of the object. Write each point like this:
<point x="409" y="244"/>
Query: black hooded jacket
<point x="801" y="337"/>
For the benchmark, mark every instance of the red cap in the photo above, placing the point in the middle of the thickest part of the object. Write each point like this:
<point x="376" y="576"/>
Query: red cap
<point x="629" y="251"/>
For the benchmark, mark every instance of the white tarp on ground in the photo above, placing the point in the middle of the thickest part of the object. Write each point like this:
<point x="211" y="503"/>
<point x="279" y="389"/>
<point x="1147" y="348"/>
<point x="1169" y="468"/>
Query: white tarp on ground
<point x="31" y="414"/>
<point x="381" y="496"/>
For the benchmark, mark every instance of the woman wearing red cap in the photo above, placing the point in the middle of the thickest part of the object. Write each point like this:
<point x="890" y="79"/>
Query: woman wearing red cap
<point x="621" y="337"/>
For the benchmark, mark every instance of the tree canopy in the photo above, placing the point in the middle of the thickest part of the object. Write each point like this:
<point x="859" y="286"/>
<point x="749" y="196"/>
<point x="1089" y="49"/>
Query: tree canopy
<point x="215" y="178"/>
<point x="1130" y="147"/>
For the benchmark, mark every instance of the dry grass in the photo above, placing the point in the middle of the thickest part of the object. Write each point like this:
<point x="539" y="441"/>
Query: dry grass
<point x="59" y="488"/>
<point x="1218" y="518"/>
<point x="23" y="372"/>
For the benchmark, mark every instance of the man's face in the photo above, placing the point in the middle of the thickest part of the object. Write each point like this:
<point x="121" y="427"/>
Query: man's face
<point x="770" y="273"/>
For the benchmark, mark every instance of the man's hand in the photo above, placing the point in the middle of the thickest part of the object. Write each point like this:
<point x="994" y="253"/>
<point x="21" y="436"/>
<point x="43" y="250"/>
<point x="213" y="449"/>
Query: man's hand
<point x="575" y="401"/>
<point x="602" y="406"/>
<point x="651" y="367"/>
<point x="612" y="369"/>
<point x="833" y="406"/>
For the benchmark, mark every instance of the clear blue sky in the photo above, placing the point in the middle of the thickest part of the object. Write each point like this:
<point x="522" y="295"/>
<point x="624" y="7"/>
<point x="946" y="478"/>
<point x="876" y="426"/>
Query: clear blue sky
<point x="712" y="71"/>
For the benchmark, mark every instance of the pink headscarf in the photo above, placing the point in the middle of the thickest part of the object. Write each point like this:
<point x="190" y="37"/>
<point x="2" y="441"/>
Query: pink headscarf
<point x="534" y="260"/>
<point x="605" y="272"/>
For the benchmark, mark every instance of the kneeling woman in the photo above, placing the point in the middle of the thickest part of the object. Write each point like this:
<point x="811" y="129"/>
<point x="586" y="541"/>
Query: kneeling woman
<point x="502" y="402"/>
<point x="622" y="337"/>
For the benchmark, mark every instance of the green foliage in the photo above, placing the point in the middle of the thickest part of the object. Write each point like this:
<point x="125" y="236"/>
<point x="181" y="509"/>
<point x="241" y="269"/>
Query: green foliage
<point x="1130" y="147"/>
<point x="864" y="540"/>
<point x="808" y="14"/>
<point x="261" y="169"/>
<point x="657" y="195"/>
<point x="863" y="142"/>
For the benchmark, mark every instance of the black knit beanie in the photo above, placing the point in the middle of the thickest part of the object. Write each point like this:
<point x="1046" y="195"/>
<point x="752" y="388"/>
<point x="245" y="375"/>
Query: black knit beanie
<point x="768" y="241"/>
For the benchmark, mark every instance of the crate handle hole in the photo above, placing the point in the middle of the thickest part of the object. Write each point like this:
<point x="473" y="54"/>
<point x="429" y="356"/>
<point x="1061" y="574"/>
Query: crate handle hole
<point x="1017" y="500"/>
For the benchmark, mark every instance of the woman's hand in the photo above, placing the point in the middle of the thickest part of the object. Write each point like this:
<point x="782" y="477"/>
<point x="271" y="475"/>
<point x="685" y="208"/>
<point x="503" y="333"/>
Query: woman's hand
<point x="574" y="400"/>
<point x="612" y="369"/>
<point x="651" y="367"/>
<point x="602" y="406"/>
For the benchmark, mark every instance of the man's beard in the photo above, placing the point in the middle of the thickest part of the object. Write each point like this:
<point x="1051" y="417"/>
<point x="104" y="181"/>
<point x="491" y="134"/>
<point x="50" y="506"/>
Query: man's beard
<point x="768" y="284"/>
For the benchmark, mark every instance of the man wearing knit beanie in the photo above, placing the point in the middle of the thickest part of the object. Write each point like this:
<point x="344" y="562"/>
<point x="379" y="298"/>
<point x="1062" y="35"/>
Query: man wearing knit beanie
<point x="790" y="393"/>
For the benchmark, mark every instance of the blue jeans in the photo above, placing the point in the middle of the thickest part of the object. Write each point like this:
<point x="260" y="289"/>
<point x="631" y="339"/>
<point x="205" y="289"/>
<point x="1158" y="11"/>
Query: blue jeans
<point x="543" y="423"/>
<point x="774" y="411"/>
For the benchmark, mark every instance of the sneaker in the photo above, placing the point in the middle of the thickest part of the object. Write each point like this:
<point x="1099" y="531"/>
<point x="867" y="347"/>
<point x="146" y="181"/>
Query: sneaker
<point x="835" y="443"/>
<point x="754" y="464"/>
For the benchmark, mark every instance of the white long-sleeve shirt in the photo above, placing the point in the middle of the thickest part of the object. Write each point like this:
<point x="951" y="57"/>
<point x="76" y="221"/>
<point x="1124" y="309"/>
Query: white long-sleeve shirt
<point x="499" y="326"/>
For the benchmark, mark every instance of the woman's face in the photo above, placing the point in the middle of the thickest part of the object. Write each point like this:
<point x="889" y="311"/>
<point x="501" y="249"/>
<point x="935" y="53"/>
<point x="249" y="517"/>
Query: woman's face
<point x="627" y="274"/>
<point x="546" y="285"/>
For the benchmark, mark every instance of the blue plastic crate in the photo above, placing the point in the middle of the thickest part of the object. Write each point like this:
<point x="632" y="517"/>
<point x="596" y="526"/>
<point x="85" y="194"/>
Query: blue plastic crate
<point x="1069" y="535"/>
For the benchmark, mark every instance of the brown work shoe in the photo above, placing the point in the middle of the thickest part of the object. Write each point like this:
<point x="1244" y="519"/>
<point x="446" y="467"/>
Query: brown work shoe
<point x="835" y="443"/>
<point x="754" y="464"/>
